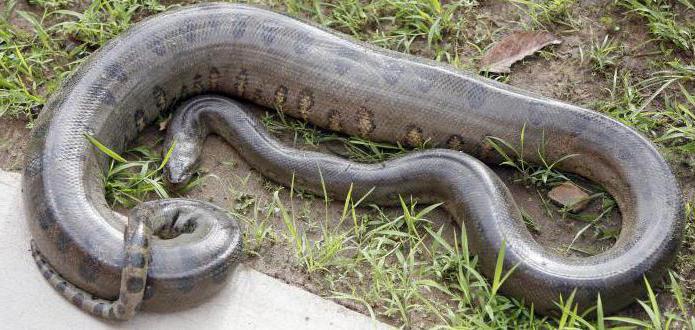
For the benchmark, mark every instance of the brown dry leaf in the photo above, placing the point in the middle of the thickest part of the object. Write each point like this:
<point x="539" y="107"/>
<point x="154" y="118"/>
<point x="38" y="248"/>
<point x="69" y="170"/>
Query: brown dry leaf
<point x="515" y="47"/>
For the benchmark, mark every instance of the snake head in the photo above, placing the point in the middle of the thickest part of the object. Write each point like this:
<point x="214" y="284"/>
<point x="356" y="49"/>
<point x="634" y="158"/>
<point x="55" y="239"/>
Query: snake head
<point x="182" y="160"/>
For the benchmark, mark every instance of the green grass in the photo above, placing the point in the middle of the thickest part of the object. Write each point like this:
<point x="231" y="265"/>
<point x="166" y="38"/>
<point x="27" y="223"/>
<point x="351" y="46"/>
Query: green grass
<point x="541" y="175"/>
<point x="547" y="13"/>
<point x="130" y="182"/>
<point x="33" y="62"/>
<point x="400" y="266"/>
<point x="667" y="20"/>
<point x="660" y="106"/>
<point x="604" y="53"/>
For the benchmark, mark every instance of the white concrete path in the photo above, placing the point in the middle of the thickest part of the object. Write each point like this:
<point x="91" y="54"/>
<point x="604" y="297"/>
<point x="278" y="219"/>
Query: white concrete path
<point x="251" y="300"/>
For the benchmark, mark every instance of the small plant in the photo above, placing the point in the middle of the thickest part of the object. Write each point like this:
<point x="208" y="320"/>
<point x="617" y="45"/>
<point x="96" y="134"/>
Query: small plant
<point x="543" y="175"/>
<point x="429" y="20"/>
<point x="604" y="53"/>
<point x="545" y="12"/>
<point x="350" y="16"/>
<point x="259" y="231"/>
<point x="624" y="103"/>
<point x="302" y="132"/>
<point x="128" y="183"/>
<point x="104" y="19"/>
<point x="664" y="21"/>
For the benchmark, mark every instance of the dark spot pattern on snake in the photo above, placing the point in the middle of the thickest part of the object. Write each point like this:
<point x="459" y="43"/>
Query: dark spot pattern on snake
<point x="136" y="259"/>
<point x="157" y="46"/>
<point x="269" y="31"/>
<point x="213" y="78"/>
<point x="135" y="284"/>
<point x="241" y="82"/>
<point x="99" y="308"/>
<point x="535" y="114"/>
<point x="88" y="268"/>
<point x="102" y="94"/>
<point x="160" y="98"/>
<point x="455" y="142"/>
<point x="413" y="136"/>
<point x="198" y="85"/>
<point x="365" y="122"/>
<point x="63" y="242"/>
<point x="78" y="299"/>
<point x="335" y="120"/>
<point x="188" y="31"/>
<point x="239" y="26"/>
<point x="61" y="286"/>
<point x="342" y="66"/>
<point x="305" y="103"/>
<point x="185" y="285"/>
<point x="475" y="96"/>
<point x="303" y="43"/>
<point x="280" y="98"/>
<point x="219" y="273"/>
<point x="45" y="220"/>
<point x="392" y="72"/>
<point x="117" y="72"/>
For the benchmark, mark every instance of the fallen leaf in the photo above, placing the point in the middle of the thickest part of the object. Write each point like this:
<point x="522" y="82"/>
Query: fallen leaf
<point x="570" y="196"/>
<point x="514" y="47"/>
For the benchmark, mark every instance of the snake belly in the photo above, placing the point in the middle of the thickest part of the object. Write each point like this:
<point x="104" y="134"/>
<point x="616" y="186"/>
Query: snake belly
<point x="346" y="86"/>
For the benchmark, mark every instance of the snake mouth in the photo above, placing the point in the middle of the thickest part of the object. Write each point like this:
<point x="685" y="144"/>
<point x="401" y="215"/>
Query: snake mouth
<point x="176" y="179"/>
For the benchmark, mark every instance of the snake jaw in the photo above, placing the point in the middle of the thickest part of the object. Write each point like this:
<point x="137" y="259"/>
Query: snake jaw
<point x="176" y="178"/>
<point x="182" y="163"/>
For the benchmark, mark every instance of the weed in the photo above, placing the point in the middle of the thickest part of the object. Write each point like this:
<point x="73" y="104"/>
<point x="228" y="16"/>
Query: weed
<point x="545" y="12"/>
<point x="429" y="20"/>
<point x="128" y="183"/>
<point x="664" y="21"/>
<point x="543" y="175"/>
<point x="604" y="53"/>
<point x="259" y="230"/>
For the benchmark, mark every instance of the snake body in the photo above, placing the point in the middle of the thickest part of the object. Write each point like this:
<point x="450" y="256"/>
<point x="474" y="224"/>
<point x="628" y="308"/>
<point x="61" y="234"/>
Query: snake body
<point x="333" y="82"/>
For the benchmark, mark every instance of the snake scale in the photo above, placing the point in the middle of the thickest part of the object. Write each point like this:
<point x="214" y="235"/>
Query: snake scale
<point x="178" y="252"/>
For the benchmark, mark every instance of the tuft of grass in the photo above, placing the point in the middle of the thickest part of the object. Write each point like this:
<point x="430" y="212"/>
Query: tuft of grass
<point x="544" y="13"/>
<point x="540" y="175"/>
<point x="636" y="104"/>
<point x="130" y="182"/>
<point x="351" y="16"/>
<point x="667" y="22"/>
<point x="33" y="62"/>
<point x="428" y="20"/>
<point x="604" y="54"/>
<point x="102" y="20"/>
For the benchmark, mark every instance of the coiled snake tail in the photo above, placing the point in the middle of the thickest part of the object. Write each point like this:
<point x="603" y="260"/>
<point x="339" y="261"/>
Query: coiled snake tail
<point x="133" y="274"/>
<point x="166" y="218"/>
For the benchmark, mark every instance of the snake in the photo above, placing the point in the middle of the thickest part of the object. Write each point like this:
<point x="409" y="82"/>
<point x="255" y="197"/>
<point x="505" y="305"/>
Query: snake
<point x="213" y="62"/>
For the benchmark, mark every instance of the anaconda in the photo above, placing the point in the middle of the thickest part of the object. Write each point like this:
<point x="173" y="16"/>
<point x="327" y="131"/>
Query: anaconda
<point x="339" y="84"/>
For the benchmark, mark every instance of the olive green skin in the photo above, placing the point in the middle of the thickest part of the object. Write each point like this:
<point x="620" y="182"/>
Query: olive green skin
<point x="343" y="85"/>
